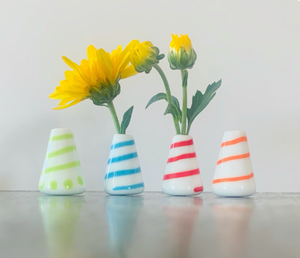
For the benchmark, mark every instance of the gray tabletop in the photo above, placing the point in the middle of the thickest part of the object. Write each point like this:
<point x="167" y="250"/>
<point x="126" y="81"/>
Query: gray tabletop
<point x="148" y="225"/>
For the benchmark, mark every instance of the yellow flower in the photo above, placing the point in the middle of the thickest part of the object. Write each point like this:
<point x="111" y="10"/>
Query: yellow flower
<point x="144" y="56"/>
<point x="96" y="78"/>
<point x="181" y="53"/>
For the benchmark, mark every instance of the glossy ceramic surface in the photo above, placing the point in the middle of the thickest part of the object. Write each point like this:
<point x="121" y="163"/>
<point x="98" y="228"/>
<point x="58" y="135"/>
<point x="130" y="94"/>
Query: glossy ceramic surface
<point x="234" y="173"/>
<point x="123" y="173"/>
<point x="61" y="173"/>
<point x="182" y="174"/>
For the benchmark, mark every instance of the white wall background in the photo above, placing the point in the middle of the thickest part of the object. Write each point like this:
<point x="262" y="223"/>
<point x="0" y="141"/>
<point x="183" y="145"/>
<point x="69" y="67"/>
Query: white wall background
<point x="254" y="46"/>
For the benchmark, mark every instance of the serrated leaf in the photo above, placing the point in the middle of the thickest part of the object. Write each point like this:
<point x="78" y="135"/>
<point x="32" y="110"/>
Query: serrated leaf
<point x="172" y="109"/>
<point x="157" y="97"/>
<point x="200" y="101"/>
<point x="126" y="120"/>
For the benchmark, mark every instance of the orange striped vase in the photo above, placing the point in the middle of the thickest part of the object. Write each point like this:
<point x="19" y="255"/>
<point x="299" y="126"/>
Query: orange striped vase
<point x="182" y="175"/>
<point x="234" y="174"/>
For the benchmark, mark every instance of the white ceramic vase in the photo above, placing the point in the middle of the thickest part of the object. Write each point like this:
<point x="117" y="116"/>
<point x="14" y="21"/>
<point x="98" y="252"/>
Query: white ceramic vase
<point x="234" y="173"/>
<point x="61" y="174"/>
<point x="182" y="174"/>
<point x="123" y="173"/>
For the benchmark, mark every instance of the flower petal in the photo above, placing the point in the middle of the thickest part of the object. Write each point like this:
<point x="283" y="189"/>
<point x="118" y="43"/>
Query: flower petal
<point x="107" y="64"/>
<point x="69" y="105"/>
<point x="128" y="72"/>
<point x="76" y="68"/>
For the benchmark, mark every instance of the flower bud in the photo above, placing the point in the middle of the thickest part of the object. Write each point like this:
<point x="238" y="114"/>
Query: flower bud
<point x="144" y="56"/>
<point x="181" y="53"/>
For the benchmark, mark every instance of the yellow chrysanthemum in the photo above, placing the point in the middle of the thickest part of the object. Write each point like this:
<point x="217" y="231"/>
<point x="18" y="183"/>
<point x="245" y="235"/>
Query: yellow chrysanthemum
<point x="96" y="78"/>
<point x="181" y="53"/>
<point x="181" y="42"/>
<point x="144" y="56"/>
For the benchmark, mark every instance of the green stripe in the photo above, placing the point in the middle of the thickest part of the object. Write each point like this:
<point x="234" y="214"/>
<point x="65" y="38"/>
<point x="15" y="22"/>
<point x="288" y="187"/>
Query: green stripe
<point x="62" y="137"/>
<point x="61" y="151"/>
<point x="62" y="167"/>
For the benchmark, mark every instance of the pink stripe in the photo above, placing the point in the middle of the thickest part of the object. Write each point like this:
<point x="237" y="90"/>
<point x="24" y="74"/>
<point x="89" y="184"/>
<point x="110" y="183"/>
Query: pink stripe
<point x="183" y="143"/>
<point x="198" y="189"/>
<point x="182" y="174"/>
<point x="183" y="156"/>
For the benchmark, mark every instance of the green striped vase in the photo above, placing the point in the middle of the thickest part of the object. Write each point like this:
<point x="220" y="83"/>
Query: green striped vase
<point x="61" y="174"/>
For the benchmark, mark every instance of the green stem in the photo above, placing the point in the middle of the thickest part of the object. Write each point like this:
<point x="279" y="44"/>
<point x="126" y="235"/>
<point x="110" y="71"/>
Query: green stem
<point x="168" y="93"/>
<point x="112" y="110"/>
<point x="184" y="102"/>
<point x="188" y="129"/>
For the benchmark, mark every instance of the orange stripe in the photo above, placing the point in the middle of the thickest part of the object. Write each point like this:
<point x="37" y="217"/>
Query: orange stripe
<point x="233" y="179"/>
<point x="235" y="141"/>
<point x="243" y="156"/>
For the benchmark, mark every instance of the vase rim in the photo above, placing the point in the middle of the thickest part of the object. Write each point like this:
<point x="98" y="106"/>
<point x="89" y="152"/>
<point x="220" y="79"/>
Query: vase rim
<point x="121" y="134"/>
<point x="234" y="131"/>
<point x="182" y="136"/>
<point x="60" y="129"/>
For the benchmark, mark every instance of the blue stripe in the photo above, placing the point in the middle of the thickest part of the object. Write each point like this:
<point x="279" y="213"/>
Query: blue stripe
<point x="122" y="173"/>
<point x="128" y="187"/>
<point x="121" y="158"/>
<point x="122" y="144"/>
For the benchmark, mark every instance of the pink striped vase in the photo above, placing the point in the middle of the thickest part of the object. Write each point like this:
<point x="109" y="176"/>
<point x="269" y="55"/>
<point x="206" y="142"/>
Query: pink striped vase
<point x="182" y="175"/>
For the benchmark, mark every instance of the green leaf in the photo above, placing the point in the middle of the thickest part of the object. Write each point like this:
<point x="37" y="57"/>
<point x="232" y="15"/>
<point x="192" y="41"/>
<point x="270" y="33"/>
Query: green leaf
<point x="157" y="97"/>
<point x="176" y="103"/>
<point x="126" y="120"/>
<point x="161" y="56"/>
<point x="172" y="109"/>
<point x="200" y="101"/>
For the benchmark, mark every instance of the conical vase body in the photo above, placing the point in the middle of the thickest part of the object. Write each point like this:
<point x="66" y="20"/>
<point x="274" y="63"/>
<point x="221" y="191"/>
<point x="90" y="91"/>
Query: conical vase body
<point x="123" y="173"/>
<point x="234" y="173"/>
<point x="182" y="175"/>
<point x="61" y="174"/>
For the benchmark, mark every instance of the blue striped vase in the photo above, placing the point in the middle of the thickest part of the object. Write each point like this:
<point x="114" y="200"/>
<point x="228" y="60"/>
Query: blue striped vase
<point x="123" y="173"/>
<point x="61" y="173"/>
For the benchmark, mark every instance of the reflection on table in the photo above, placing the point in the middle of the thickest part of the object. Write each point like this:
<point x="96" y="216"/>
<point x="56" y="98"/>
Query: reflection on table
<point x="233" y="218"/>
<point x="122" y="214"/>
<point x="181" y="214"/>
<point x="60" y="217"/>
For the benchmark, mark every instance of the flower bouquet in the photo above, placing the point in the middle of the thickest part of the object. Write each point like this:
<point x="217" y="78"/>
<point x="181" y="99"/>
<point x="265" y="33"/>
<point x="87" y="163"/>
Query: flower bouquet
<point x="98" y="78"/>
<point x="182" y="174"/>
